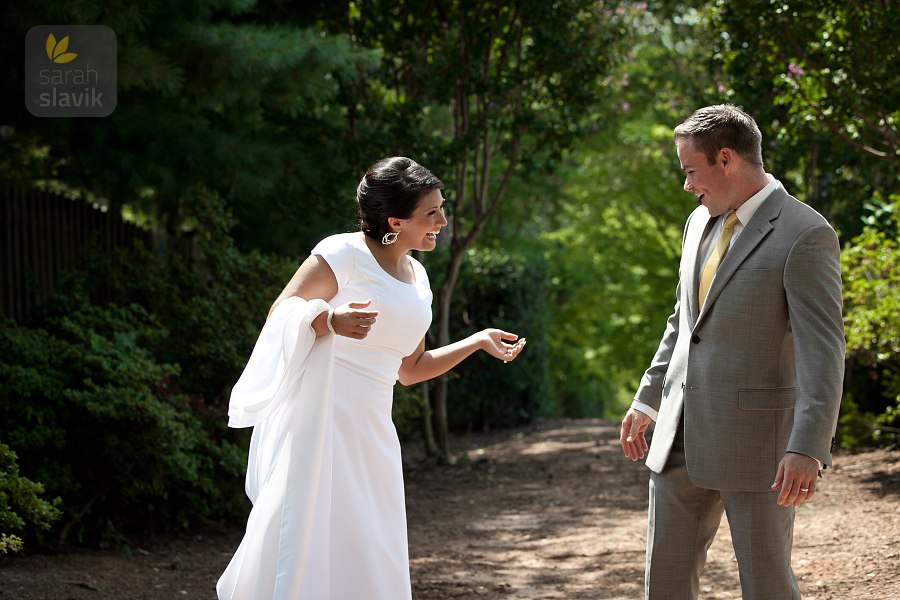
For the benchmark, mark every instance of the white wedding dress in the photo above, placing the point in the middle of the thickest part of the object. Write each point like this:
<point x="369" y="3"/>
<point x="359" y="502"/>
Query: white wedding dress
<point x="324" y="473"/>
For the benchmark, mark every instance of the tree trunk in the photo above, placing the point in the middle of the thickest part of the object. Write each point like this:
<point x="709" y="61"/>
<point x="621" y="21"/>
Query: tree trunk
<point x="445" y="300"/>
<point x="431" y="448"/>
<point x="439" y="418"/>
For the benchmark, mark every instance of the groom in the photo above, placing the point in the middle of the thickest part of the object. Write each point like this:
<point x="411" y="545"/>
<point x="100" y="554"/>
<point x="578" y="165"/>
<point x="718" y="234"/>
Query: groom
<point x="746" y="384"/>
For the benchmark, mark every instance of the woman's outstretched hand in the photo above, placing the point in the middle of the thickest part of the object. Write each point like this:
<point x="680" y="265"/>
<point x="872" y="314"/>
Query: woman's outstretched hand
<point x="496" y="343"/>
<point x="353" y="320"/>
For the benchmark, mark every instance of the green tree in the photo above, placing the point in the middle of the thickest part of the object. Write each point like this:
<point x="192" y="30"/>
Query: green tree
<point x="210" y="93"/>
<point x="484" y="92"/>
<point x="614" y="263"/>
<point x="609" y="221"/>
<point x="871" y="271"/>
<point x="823" y="80"/>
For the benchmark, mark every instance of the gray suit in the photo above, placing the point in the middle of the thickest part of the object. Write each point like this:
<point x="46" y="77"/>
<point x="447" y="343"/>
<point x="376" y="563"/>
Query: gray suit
<point x="757" y="373"/>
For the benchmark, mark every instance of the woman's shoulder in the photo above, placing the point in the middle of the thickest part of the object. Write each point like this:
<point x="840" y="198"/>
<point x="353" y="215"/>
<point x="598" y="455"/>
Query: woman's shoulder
<point x="338" y="243"/>
<point x="340" y="251"/>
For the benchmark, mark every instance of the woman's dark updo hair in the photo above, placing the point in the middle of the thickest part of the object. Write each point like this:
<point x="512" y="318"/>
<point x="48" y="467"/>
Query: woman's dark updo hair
<point x="392" y="187"/>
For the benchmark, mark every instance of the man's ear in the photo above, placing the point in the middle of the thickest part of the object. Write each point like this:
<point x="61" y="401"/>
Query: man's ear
<point x="726" y="156"/>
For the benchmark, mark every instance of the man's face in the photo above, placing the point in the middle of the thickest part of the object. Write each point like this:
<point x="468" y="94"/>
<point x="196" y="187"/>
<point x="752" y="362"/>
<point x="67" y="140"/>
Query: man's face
<point x="708" y="182"/>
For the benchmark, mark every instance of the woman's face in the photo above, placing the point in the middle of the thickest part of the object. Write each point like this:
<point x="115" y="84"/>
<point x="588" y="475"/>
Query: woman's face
<point x="419" y="232"/>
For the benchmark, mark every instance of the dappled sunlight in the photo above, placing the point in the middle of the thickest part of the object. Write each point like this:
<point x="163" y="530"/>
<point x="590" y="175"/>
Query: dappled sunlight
<point x="506" y="522"/>
<point x="524" y="551"/>
<point x="566" y="517"/>
<point x="551" y="446"/>
<point x="502" y="529"/>
<point x="593" y="437"/>
<point x="558" y="513"/>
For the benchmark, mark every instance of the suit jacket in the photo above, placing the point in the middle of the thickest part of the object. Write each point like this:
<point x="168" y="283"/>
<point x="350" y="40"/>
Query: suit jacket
<point x="760" y="370"/>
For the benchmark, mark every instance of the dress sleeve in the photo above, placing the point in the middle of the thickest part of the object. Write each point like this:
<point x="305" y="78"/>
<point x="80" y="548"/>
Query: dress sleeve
<point x="338" y="252"/>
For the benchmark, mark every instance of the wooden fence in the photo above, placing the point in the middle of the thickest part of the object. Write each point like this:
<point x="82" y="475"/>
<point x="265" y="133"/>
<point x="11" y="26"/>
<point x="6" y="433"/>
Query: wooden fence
<point x="43" y="235"/>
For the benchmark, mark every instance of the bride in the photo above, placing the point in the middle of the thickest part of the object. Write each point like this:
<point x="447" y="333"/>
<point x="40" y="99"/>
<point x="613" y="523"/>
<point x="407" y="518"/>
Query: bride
<point x="324" y="470"/>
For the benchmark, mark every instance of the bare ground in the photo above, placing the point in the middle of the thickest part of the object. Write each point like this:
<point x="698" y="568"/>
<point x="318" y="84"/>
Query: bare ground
<point x="551" y="511"/>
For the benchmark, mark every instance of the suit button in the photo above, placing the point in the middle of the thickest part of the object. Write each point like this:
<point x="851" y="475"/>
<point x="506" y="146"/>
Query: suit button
<point x="682" y="385"/>
<point x="695" y="339"/>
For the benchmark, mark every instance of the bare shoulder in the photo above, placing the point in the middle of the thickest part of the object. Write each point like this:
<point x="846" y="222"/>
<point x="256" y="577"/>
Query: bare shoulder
<point x="316" y="268"/>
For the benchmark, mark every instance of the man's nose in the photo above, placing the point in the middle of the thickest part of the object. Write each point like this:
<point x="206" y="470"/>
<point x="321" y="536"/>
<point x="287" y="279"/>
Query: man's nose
<point x="687" y="184"/>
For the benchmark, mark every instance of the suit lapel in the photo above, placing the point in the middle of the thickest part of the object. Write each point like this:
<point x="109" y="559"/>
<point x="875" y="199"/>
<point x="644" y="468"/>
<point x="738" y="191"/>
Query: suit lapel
<point x="699" y="228"/>
<point x="753" y="234"/>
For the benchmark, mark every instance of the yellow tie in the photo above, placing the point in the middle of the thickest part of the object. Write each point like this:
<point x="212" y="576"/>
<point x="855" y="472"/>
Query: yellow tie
<point x="717" y="255"/>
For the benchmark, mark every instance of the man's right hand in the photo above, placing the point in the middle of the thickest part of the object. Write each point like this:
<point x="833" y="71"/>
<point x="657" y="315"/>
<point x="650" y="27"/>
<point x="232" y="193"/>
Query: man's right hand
<point x="634" y="444"/>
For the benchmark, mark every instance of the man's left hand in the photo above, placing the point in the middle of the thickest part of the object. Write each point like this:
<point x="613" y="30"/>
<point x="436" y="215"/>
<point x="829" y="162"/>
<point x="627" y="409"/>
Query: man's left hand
<point x="796" y="478"/>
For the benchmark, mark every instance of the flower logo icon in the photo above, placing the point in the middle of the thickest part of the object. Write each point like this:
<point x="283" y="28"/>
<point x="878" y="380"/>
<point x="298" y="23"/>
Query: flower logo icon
<point x="56" y="51"/>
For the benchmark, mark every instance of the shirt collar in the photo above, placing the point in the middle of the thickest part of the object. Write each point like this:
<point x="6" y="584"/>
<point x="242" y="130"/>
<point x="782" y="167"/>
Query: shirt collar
<point x="746" y="210"/>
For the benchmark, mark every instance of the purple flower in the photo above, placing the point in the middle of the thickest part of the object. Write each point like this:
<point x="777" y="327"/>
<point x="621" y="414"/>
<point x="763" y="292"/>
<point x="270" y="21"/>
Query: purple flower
<point x="795" y="70"/>
<point x="626" y="105"/>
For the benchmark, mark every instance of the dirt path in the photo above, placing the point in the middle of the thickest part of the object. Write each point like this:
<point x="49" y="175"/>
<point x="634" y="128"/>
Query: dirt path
<point x="550" y="512"/>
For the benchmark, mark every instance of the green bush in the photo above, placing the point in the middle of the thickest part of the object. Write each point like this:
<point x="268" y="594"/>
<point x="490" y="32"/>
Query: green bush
<point x="212" y="299"/>
<point x="115" y="392"/>
<point x="496" y="289"/>
<point x="22" y="510"/>
<point x="871" y="271"/>
<point x="102" y="423"/>
<point x="407" y="411"/>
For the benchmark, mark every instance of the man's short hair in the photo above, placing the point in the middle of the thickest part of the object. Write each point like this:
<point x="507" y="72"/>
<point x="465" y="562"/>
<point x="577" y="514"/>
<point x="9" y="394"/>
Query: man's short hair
<point x="723" y="126"/>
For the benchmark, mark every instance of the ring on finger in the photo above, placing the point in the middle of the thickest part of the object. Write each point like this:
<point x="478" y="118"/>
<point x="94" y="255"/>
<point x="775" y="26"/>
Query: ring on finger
<point x="804" y="489"/>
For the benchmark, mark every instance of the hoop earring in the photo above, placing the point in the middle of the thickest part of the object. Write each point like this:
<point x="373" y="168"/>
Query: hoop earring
<point x="390" y="237"/>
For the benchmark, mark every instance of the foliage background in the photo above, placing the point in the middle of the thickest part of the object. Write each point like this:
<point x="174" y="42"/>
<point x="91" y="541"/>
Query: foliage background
<point x="242" y="128"/>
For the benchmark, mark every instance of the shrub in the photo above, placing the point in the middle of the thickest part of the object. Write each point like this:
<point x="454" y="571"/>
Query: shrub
<point x="407" y="411"/>
<point x="496" y="289"/>
<point x="115" y="392"/>
<point x="22" y="510"/>
<point x="99" y="420"/>
<point x="871" y="271"/>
